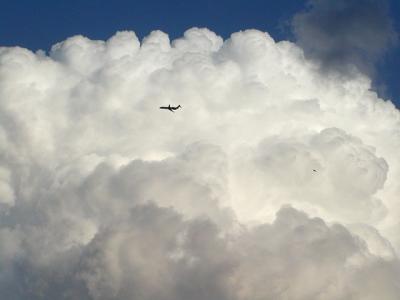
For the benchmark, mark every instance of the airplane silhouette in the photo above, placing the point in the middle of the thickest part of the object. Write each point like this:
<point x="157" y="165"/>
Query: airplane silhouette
<point x="170" y="108"/>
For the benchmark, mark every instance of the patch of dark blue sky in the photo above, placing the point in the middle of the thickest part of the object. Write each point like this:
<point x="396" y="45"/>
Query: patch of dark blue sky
<point x="40" y="24"/>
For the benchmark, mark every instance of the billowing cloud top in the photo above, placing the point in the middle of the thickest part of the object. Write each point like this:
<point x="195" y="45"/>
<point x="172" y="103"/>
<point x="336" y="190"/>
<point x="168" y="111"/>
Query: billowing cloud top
<point x="274" y="180"/>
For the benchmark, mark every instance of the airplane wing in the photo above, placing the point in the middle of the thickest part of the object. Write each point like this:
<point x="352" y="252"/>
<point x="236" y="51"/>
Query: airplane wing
<point x="170" y="108"/>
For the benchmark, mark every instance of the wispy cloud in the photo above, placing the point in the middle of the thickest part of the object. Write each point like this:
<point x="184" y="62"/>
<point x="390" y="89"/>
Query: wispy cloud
<point x="343" y="35"/>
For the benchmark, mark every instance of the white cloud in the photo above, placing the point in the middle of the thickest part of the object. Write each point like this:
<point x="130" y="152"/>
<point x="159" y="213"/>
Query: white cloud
<point x="104" y="196"/>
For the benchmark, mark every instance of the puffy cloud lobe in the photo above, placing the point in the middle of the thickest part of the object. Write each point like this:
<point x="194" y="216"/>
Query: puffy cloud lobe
<point x="175" y="260"/>
<point x="344" y="184"/>
<point x="104" y="196"/>
<point x="154" y="253"/>
<point x="298" y="257"/>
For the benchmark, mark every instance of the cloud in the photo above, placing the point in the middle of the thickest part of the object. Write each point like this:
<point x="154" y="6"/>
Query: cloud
<point x="154" y="253"/>
<point x="104" y="196"/>
<point x="345" y="36"/>
<point x="287" y="164"/>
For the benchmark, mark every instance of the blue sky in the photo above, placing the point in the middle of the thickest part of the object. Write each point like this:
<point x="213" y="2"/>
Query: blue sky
<point x="40" y="24"/>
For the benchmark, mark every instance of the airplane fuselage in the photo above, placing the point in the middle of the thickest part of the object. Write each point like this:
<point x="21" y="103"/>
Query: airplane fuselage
<point x="170" y="108"/>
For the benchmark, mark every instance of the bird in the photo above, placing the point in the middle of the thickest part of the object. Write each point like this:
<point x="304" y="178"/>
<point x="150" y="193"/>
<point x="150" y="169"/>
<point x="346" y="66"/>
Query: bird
<point x="170" y="108"/>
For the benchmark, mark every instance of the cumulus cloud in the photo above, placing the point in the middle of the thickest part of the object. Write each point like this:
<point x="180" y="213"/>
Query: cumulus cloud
<point x="345" y="36"/>
<point x="104" y="196"/>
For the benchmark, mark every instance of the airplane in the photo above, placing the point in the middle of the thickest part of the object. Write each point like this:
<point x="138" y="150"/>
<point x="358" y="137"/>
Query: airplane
<point x="170" y="108"/>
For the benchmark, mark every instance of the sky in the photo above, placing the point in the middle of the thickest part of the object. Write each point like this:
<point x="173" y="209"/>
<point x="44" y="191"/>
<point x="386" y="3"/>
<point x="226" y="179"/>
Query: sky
<point x="276" y="179"/>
